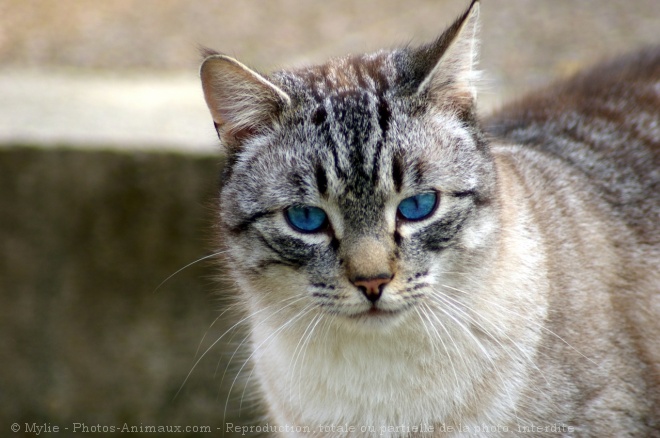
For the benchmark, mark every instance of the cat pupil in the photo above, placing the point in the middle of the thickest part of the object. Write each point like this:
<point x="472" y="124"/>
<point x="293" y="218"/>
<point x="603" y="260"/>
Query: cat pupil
<point x="418" y="207"/>
<point x="306" y="218"/>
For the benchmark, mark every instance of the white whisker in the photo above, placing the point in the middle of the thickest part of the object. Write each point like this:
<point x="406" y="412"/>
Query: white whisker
<point x="221" y="337"/>
<point x="502" y="332"/>
<point x="256" y="349"/>
<point x="201" y="259"/>
<point x="317" y="318"/>
<point x="437" y="299"/>
<point x="541" y="326"/>
<point x="426" y="310"/>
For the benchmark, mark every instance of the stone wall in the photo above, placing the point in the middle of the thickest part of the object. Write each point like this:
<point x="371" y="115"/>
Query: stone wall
<point x="88" y="336"/>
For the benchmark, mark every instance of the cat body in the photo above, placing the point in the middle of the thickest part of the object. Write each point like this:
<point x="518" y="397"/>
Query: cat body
<point x="406" y="272"/>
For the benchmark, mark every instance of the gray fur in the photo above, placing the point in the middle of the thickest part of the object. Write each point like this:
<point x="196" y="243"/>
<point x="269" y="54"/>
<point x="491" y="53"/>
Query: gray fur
<point x="528" y="300"/>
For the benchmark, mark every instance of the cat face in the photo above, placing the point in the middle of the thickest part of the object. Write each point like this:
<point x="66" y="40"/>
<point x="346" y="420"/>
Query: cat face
<point x="356" y="187"/>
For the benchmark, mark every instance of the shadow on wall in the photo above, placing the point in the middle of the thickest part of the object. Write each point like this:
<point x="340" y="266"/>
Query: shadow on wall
<point x="86" y="337"/>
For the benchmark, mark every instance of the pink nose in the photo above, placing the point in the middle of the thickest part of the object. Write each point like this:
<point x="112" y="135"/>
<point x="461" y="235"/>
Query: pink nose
<point x="372" y="288"/>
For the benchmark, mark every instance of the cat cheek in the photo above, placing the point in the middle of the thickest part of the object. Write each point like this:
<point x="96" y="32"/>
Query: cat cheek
<point x="479" y="235"/>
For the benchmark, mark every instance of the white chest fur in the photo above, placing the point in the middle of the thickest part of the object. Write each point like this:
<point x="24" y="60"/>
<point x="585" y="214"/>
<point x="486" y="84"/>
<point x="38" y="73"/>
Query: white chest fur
<point x="337" y="383"/>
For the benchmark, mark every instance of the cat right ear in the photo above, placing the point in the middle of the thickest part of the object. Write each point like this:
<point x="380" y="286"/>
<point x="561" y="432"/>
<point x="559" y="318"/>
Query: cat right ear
<point x="242" y="102"/>
<point x="444" y="70"/>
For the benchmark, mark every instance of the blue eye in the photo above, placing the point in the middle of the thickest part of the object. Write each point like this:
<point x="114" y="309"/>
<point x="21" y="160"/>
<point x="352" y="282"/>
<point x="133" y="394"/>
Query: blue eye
<point x="418" y="207"/>
<point x="305" y="218"/>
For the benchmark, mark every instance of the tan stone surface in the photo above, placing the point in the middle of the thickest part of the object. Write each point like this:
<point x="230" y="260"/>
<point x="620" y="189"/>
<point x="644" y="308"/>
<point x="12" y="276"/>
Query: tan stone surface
<point x="123" y="72"/>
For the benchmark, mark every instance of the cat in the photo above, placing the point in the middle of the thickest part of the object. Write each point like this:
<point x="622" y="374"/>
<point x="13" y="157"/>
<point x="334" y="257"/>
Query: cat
<point x="407" y="269"/>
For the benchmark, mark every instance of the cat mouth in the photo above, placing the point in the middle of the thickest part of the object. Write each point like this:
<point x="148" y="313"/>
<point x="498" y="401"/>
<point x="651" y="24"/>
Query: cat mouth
<point x="376" y="312"/>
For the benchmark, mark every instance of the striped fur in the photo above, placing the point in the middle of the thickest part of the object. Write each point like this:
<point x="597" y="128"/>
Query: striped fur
<point x="525" y="304"/>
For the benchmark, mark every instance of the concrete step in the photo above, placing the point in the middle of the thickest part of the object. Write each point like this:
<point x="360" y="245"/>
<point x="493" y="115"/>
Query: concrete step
<point x="128" y="111"/>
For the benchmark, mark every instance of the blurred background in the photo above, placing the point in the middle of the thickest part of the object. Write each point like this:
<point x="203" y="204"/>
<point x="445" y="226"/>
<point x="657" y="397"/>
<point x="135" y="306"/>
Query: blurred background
<point x="108" y="170"/>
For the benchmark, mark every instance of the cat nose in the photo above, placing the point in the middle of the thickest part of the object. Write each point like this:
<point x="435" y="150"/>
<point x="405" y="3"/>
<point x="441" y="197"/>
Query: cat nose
<point x="372" y="288"/>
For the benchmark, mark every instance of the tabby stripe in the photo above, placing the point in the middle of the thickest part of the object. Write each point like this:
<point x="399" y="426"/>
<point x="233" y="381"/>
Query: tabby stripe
<point x="268" y="263"/>
<point x="384" y="115"/>
<point x="441" y="234"/>
<point x="338" y="170"/>
<point x="375" y="177"/>
<point x="464" y="194"/>
<point x="295" y="262"/>
<point x="244" y="225"/>
<point x="319" y="116"/>
<point x="321" y="180"/>
<point x="397" y="172"/>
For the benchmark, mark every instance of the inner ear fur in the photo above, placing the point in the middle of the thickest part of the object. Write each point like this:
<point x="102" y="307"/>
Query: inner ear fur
<point x="242" y="102"/>
<point x="445" y="68"/>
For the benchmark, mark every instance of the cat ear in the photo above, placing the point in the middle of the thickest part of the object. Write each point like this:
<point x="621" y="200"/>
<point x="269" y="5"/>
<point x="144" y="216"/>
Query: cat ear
<point x="445" y="68"/>
<point x="242" y="102"/>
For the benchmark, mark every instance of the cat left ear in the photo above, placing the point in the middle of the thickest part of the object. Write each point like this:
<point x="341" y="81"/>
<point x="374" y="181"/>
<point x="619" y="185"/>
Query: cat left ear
<point x="446" y="67"/>
<point x="242" y="102"/>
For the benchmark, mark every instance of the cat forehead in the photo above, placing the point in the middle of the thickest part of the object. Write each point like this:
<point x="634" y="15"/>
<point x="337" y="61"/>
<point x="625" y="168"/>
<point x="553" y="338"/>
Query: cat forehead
<point x="345" y="107"/>
<point x="348" y="101"/>
<point x="352" y="75"/>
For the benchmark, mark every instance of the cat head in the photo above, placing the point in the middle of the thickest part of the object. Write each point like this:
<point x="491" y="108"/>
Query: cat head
<point x="353" y="187"/>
